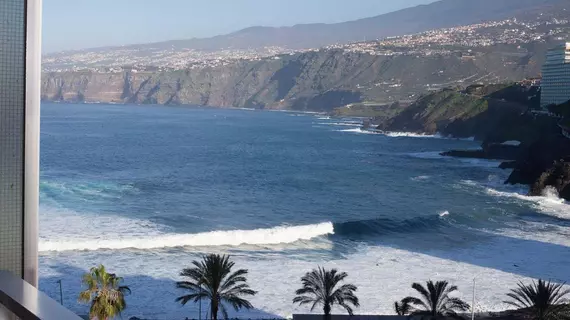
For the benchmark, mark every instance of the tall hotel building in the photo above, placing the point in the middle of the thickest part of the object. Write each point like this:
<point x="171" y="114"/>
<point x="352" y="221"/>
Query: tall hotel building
<point x="556" y="76"/>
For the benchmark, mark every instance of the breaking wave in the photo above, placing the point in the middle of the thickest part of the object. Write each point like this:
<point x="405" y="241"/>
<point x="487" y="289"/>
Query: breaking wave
<point x="444" y="213"/>
<point x="276" y="235"/>
<point x="549" y="203"/>
<point x="359" y="130"/>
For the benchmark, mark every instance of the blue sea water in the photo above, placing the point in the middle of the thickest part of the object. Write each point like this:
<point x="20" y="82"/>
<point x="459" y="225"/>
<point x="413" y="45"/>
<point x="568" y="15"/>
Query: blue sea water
<point x="147" y="189"/>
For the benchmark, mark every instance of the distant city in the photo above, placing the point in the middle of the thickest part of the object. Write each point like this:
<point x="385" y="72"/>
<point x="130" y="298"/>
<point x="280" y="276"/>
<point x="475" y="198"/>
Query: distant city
<point x="435" y="42"/>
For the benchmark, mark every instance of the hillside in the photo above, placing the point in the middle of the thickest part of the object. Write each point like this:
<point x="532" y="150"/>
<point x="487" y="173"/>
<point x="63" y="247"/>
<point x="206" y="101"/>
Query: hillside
<point x="316" y="81"/>
<point x="440" y="14"/>
<point x="489" y="113"/>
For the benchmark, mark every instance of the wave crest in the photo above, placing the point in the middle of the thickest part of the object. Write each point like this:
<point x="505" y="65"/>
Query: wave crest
<point x="276" y="235"/>
<point x="383" y="226"/>
<point x="359" y="130"/>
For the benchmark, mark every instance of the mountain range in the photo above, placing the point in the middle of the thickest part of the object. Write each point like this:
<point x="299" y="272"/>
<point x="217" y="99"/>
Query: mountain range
<point x="440" y="14"/>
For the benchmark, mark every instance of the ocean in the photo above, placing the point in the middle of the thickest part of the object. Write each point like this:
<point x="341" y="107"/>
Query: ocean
<point x="145" y="190"/>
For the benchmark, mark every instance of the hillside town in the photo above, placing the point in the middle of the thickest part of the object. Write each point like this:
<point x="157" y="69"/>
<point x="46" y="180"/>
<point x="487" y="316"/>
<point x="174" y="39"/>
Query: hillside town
<point x="448" y="40"/>
<point x="434" y="42"/>
<point x="117" y="59"/>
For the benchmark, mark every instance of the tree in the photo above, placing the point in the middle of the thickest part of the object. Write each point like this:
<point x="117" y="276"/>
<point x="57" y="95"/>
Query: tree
<point x="402" y="308"/>
<point x="105" y="293"/>
<point x="541" y="301"/>
<point x="322" y="287"/>
<point x="435" y="301"/>
<point x="212" y="279"/>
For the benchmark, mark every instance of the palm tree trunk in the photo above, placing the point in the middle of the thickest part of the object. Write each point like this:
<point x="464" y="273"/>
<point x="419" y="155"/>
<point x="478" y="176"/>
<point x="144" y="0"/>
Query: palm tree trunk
<point x="214" y="309"/>
<point x="327" y="311"/>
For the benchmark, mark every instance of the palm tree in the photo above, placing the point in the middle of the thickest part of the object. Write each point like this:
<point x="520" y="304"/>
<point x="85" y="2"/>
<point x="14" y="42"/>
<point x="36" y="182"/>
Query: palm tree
<point x="542" y="300"/>
<point x="105" y="293"/>
<point x="212" y="279"/>
<point x="434" y="301"/>
<point x="322" y="287"/>
<point x="402" y="308"/>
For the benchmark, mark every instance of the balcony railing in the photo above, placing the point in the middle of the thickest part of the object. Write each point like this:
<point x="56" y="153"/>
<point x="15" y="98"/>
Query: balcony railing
<point x="28" y="303"/>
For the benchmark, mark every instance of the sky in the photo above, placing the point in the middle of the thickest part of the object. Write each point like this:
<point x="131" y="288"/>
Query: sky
<point x="79" y="24"/>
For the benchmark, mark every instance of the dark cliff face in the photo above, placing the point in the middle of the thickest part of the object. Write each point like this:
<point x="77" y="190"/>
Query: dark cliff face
<point x="493" y="117"/>
<point x="540" y="156"/>
<point x="317" y="81"/>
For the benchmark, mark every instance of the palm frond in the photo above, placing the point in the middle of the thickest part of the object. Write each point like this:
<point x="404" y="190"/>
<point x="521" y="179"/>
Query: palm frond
<point x="323" y="287"/>
<point x="434" y="300"/>
<point x="104" y="292"/>
<point x="402" y="308"/>
<point x="542" y="300"/>
<point x="212" y="279"/>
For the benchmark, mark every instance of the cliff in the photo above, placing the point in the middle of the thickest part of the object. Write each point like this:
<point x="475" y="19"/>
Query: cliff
<point x="484" y="112"/>
<point x="316" y="81"/>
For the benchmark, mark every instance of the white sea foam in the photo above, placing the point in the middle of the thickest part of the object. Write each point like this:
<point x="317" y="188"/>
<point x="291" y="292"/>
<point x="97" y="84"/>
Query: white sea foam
<point x="410" y="135"/>
<point x="147" y="236"/>
<point x="359" y="130"/>
<point x="348" y="124"/>
<point x="420" y="178"/>
<point x="277" y="276"/>
<point x="396" y="134"/>
<point x="67" y="226"/>
<point x="324" y="118"/>
<point x="549" y="203"/>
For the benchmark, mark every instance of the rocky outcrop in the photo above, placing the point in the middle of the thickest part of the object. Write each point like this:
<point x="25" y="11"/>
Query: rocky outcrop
<point x="493" y="151"/>
<point x="557" y="177"/>
<point x="539" y="157"/>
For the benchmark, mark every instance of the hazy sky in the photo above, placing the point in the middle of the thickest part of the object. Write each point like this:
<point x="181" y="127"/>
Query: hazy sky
<point x="76" y="24"/>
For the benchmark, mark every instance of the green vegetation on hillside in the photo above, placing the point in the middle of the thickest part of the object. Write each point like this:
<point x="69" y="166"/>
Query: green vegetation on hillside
<point x="493" y="113"/>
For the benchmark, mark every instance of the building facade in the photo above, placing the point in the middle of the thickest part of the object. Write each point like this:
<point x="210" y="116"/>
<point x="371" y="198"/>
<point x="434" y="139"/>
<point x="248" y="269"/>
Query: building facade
<point x="556" y="76"/>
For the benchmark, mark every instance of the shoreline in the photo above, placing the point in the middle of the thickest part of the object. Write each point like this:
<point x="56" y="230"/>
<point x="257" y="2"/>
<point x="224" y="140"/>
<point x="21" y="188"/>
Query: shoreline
<point x="197" y="106"/>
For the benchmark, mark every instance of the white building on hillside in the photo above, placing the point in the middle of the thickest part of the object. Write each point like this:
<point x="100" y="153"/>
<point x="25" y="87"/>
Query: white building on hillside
<point x="556" y="76"/>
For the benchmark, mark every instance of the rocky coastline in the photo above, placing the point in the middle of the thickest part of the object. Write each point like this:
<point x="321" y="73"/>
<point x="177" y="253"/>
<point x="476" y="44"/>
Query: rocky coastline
<point x="543" y="165"/>
<point x="506" y="121"/>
